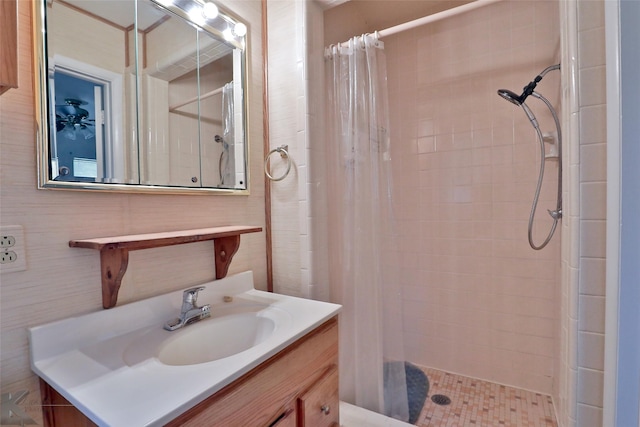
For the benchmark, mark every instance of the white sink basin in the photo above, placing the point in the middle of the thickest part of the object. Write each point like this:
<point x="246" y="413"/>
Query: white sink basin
<point x="120" y="367"/>
<point x="214" y="339"/>
<point x="232" y="329"/>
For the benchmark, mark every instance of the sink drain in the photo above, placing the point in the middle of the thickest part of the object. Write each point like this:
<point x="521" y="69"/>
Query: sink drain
<point x="440" y="399"/>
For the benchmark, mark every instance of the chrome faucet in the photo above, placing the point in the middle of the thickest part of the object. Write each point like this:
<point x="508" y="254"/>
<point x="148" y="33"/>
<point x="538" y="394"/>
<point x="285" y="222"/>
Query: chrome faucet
<point x="190" y="311"/>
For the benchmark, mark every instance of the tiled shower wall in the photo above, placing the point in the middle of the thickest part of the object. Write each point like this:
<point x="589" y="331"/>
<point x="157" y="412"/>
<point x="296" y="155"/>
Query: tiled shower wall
<point x="461" y="319"/>
<point x="587" y="197"/>
<point x="478" y="300"/>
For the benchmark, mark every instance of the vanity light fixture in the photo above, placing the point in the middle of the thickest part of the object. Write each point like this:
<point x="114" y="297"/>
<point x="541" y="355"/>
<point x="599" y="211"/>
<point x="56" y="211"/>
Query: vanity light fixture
<point x="240" y="30"/>
<point x="210" y="10"/>
<point x="165" y="3"/>
<point x="196" y="14"/>
<point x="228" y="34"/>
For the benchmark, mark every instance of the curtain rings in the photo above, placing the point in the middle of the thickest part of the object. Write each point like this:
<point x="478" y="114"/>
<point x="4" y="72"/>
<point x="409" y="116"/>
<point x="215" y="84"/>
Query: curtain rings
<point x="285" y="155"/>
<point x="330" y="52"/>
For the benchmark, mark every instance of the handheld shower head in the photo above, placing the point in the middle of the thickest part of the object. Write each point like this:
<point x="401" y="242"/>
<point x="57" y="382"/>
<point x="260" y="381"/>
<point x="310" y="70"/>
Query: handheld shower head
<point x="510" y="96"/>
<point x="527" y="90"/>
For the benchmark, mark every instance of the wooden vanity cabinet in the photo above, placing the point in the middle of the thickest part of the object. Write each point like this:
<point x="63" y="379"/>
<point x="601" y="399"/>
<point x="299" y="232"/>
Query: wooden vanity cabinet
<point x="297" y="387"/>
<point x="291" y="386"/>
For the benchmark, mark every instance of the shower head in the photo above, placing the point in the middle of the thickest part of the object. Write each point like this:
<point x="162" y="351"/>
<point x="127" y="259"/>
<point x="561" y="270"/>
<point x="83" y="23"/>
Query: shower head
<point x="527" y="90"/>
<point x="510" y="96"/>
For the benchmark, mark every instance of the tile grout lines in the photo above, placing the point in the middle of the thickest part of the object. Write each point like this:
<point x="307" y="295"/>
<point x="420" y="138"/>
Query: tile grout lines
<point x="477" y="403"/>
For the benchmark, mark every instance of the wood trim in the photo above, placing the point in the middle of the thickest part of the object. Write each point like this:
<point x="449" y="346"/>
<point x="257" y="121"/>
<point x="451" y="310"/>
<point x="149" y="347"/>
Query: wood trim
<point x="156" y="24"/>
<point x="127" y="60"/>
<point x="8" y="45"/>
<point x="266" y="144"/>
<point x="144" y="50"/>
<point x="114" y="251"/>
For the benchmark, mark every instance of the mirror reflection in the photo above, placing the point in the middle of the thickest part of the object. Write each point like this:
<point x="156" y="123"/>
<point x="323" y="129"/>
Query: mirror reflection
<point x="144" y="94"/>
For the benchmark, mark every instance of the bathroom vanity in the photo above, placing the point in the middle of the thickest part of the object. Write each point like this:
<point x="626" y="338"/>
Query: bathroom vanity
<point x="273" y="362"/>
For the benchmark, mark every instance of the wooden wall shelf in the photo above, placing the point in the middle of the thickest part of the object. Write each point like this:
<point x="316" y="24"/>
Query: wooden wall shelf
<point x="114" y="251"/>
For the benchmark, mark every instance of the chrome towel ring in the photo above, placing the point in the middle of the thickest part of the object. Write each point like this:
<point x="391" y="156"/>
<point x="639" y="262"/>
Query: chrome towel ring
<point x="285" y="155"/>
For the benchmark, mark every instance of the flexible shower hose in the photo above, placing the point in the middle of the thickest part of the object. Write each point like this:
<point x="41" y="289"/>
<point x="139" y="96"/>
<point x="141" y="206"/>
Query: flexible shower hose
<point x="557" y="214"/>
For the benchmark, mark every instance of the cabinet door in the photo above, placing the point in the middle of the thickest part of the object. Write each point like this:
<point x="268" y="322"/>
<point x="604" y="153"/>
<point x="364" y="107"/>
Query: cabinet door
<point x="319" y="405"/>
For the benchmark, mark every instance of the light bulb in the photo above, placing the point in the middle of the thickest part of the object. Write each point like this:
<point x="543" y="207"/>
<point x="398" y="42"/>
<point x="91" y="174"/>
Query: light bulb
<point x="210" y="10"/>
<point x="69" y="132"/>
<point x="86" y="132"/>
<point x="197" y="15"/>
<point x="240" y="29"/>
<point x="227" y="34"/>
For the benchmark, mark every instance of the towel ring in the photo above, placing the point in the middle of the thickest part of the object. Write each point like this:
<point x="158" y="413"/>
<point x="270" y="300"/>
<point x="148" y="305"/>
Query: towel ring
<point x="285" y="155"/>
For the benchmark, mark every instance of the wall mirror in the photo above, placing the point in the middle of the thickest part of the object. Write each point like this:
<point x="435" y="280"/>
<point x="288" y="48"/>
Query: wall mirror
<point x="141" y="95"/>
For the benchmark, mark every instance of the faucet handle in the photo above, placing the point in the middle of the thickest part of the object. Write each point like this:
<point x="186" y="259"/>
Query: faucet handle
<point x="191" y="295"/>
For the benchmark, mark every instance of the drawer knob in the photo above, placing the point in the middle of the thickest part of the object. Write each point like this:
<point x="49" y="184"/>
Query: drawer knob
<point x="326" y="409"/>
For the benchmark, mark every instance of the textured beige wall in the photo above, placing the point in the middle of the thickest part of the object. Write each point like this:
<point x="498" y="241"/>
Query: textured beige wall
<point x="61" y="281"/>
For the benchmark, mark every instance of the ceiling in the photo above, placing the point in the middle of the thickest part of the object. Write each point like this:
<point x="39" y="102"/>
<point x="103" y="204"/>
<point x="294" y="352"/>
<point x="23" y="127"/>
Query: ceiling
<point x="118" y="12"/>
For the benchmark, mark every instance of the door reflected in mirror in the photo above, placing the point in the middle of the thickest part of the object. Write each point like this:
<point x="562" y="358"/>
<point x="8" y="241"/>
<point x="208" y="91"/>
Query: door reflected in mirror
<point x="141" y="96"/>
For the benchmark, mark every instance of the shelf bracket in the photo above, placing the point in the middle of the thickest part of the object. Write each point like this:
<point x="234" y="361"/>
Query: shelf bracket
<point x="113" y="265"/>
<point x="225" y="248"/>
<point x="114" y="251"/>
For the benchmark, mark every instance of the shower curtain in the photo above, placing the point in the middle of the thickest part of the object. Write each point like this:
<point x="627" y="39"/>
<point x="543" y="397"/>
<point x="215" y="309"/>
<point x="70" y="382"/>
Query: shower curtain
<point x="362" y="240"/>
<point x="228" y="136"/>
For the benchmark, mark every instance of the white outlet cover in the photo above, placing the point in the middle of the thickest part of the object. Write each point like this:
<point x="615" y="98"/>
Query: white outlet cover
<point x="20" y="264"/>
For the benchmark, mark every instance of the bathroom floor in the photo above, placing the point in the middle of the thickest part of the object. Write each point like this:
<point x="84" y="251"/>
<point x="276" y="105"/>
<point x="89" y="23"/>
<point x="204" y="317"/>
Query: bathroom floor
<point x="482" y="403"/>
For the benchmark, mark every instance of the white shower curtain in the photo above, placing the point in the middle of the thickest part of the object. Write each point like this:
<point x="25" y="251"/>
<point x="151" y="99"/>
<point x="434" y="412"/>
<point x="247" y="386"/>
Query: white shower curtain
<point x="361" y="220"/>
<point x="228" y="136"/>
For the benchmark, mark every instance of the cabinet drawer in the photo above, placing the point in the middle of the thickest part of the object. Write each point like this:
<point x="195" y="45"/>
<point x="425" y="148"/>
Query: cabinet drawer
<point x="319" y="405"/>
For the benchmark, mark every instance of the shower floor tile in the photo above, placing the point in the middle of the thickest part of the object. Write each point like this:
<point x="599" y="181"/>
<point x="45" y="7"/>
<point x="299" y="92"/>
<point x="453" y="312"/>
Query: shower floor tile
<point x="477" y="403"/>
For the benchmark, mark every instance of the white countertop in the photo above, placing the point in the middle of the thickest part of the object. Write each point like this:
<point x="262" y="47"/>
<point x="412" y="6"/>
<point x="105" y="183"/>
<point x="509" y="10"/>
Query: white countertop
<point x="88" y="359"/>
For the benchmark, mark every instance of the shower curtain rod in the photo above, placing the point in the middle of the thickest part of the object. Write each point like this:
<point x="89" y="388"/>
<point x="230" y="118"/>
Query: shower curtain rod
<point x="195" y="98"/>
<point x="432" y="18"/>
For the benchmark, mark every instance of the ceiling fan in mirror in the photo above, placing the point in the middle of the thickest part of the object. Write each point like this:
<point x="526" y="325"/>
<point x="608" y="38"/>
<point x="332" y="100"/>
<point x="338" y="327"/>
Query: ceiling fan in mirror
<point x="71" y="120"/>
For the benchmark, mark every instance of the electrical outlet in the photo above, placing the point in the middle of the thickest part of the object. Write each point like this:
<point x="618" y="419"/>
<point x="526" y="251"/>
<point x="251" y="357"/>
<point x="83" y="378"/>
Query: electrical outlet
<point x="12" y="249"/>
<point x="7" y="240"/>
<point x="8" y="257"/>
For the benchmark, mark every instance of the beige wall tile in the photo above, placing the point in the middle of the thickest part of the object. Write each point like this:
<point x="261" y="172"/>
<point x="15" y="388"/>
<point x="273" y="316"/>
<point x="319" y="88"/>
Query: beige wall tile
<point x="592" y="86"/>
<point x="591" y="48"/>
<point x="592" y="313"/>
<point x="591" y="350"/>
<point x="592" y="276"/>
<point x="590" y="384"/>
